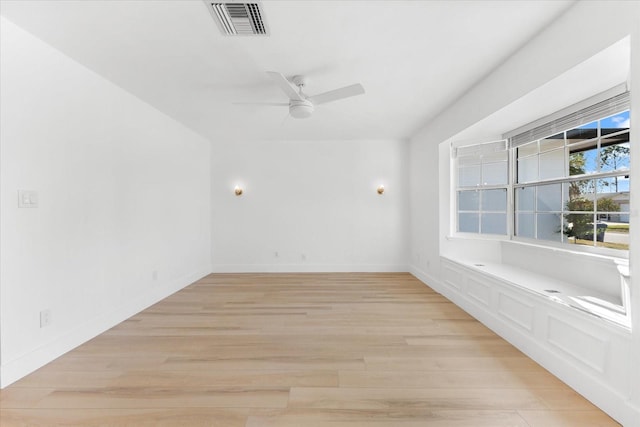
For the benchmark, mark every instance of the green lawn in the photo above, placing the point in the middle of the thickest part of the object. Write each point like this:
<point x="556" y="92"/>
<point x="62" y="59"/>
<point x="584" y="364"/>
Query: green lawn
<point x="618" y="228"/>
<point x="624" y="246"/>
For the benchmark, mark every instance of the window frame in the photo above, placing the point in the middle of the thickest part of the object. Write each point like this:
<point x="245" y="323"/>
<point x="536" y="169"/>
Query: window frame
<point x="481" y="187"/>
<point x="616" y="107"/>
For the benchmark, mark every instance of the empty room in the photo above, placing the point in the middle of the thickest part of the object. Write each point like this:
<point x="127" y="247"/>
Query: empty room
<point x="319" y="213"/>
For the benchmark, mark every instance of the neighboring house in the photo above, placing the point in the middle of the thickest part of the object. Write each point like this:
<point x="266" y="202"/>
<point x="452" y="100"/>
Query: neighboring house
<point x="621" y="198"/>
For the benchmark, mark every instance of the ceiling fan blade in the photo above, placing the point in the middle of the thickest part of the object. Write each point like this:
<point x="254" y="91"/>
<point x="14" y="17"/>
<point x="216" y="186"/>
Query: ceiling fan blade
<point x="334" y="95"/>
<point x="285" y="85"/>
<point x="269" y="104"/>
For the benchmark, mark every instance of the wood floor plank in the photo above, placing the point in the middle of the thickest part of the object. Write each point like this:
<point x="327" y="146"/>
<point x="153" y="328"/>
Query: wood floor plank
<point x="147" y="397"/>
<point x="170" y="417"/>
<point x="567" y="418"/>
<point x="408" y="417"/>
<point x="242" y="363"/>
<point x="448" y="379"/>
<point x="563" y="398"/>
<point x="427" y="398"/>
<point x="100" y="362"/>
<point x="325" y="349"/>
<point x="463" y="363"/>
<point x="184" y="378"/>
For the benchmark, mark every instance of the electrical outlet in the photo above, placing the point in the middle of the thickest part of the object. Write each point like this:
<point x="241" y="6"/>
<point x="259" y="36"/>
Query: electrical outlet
<point x="45" y="318"/>
<point x="154" y="275"/>
<point x="27" y="199"/>
<point x="303" y="256"/>
<point x="275" y="254"/>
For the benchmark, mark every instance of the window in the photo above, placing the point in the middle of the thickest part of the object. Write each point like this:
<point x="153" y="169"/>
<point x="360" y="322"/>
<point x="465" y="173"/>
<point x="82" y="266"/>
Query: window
<point x="483" y="188"/>
<point x="569" y="180"/>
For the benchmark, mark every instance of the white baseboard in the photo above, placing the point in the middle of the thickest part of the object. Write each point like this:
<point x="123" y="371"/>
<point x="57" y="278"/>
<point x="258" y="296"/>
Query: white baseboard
<point x="634" y="411"/>
<point x="601" y="394"/>
<point x="15" y="369"/>
<point x="309" y="268"/>
<point x="426" y="278"/>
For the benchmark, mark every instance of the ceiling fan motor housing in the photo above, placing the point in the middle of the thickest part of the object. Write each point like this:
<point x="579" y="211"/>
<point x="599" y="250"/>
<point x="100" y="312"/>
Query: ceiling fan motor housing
<point x="300" y="109"/>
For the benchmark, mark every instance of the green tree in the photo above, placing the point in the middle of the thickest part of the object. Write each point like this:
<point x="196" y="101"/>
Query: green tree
<point x="607" y="204"/>
<point x="579" y="223"/>
<point x="577" y="164"/>
<point x="614" y="157"/>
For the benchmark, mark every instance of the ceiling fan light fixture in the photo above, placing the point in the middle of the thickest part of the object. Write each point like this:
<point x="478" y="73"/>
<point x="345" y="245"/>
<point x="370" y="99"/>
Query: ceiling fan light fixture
<point x="302" y="106"/>
<point x="300" y="109"/>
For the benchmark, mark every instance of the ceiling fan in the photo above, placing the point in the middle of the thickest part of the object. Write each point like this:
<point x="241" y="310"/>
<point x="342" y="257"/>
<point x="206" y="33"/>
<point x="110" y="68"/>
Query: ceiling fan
<point x="301" y="105"/>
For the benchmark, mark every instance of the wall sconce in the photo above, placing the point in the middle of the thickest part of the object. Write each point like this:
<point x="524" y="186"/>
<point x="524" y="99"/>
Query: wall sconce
<point x="380" y="189"/>
<point x="238" y="190"/>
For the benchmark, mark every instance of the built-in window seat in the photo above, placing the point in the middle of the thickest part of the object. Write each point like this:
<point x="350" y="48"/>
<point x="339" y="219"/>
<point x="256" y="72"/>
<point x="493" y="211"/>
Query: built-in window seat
<point x="565" y="310"/>
<point x="603" y="305"/>
<point x="591" y="283"/>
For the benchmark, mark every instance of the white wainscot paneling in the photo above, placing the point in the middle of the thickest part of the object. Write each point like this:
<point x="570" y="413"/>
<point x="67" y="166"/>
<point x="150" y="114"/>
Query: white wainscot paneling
<point x="479" y="292"/>
<point x="452" y="278"/>
<point x="589" y="353"/>
<point x="518" y="312"/>
<point x="580" y="344"/>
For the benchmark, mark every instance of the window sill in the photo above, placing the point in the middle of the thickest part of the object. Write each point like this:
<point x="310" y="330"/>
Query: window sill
<point x="617" y="256"/>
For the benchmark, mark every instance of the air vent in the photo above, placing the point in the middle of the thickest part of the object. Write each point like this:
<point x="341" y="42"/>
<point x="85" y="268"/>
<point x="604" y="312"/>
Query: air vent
<point x="236" y="19"/>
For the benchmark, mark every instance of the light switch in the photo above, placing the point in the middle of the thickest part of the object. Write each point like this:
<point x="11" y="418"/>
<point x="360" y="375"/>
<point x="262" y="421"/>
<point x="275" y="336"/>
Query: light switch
<point x="27" y="199"/>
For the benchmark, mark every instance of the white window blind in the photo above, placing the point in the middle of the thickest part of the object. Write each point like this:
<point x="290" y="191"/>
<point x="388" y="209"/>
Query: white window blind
<point x="578" y="118"/>
<point x="482" y="149"/>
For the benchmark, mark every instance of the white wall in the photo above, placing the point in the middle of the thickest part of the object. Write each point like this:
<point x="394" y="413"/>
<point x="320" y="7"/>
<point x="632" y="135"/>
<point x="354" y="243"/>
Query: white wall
<point x="561" y="46"/>
<point x="424" y="217"/>
<point x="313" y="202"/>
<point x="123" y="192"/>
<point x="634" y="217"/>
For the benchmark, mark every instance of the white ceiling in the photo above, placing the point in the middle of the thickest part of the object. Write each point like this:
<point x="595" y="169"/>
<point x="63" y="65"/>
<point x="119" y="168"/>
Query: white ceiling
<point x="414" y="58"/>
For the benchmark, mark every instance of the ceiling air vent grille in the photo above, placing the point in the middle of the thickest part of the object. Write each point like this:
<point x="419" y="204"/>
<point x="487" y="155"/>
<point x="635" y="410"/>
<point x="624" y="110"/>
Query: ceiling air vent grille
<point x="239" y="18"/>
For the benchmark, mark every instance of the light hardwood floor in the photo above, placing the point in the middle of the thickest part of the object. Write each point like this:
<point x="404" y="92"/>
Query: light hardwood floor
<point x="297" y="350"/>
